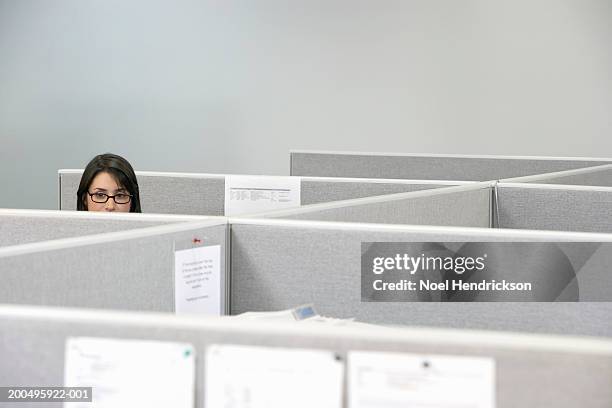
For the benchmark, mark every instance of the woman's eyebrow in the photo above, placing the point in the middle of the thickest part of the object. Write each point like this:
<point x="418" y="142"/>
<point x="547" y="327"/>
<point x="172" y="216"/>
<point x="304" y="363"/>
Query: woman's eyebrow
<point x="100" y="189"/>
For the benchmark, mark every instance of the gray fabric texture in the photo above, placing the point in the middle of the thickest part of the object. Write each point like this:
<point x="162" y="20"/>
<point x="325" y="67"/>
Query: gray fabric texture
<point x="554" y="209"/>
<point x="162" y="194"/>
<point x="314" y="192"/>
<point x="546" y="378"/>
<point x="424" y="167"/>
<point x="601" y="178"/>
<point x="17" y="230"/>
<point x="277" y="267"/>
<point x="129" y="274"/>
<point x="465" y="209"/>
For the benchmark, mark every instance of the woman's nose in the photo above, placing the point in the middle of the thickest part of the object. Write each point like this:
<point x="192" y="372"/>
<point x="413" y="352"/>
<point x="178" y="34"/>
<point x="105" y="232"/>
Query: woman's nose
<point x="110" y="205"/>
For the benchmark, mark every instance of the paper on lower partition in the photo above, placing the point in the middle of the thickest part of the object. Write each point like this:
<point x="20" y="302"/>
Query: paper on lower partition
<point x="419" y="381"/>
<point x="259" y="377"/>
<point x="254" y="194"/>
<point x="131" y="373"/>
<point x="197" y="280"/>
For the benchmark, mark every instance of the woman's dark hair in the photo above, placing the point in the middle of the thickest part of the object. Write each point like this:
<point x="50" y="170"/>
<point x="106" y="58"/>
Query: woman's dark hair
<point x="119" y="168"/>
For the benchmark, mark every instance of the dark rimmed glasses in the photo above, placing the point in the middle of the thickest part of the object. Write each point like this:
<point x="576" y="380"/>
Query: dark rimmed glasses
<point x="102" y="198"/>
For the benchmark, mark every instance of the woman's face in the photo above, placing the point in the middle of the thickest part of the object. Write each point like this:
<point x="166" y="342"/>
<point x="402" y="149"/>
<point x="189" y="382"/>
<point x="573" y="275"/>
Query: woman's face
<point x="102" y="184"/>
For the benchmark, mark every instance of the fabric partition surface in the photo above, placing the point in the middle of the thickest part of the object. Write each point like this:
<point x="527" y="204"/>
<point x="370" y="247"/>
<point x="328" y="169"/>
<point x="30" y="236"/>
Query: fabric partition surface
<point x="423" y="166"/>
<point x="278" y="264"/>
<point x="468" y="206"/>
<point x="317" y="190"/>
<point x="550" y="207"/>
<point x="550" y="371"/>
<point x="130" y="270"/>
<point x="25" y="226"/>
<point x="600" y="176"/>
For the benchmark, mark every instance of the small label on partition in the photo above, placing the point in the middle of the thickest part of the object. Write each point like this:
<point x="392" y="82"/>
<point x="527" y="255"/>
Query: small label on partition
<point x="379" y="380"/>
<point x="255" y="194"/>
<point x="197" y="280"/>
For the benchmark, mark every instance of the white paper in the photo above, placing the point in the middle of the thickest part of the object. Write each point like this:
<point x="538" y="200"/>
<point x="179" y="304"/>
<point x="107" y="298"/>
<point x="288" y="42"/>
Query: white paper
<point x="255" y="194"/>
<point x="258" y="377"/>
<point x="419" y="381"/>
<point x="130" y="373"/>
<point x="197" y="280"/>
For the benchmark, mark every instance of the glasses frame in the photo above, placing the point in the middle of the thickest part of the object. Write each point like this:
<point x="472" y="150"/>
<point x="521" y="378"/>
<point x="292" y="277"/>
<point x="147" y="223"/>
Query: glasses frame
<point x="110" y="196"/>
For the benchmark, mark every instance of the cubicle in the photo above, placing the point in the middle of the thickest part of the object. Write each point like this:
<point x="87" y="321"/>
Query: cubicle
<point x="553" y="207"/>
<point x="25" y="226"/>
<point x="598" y="176"/>
<point x="468" y="206"/>
<point x="133" y="269"/>
<point x="539" y="366"/>
<point x="277" y="264"/>
<point x="429" y="166"/>
<point x="205" y="194"/>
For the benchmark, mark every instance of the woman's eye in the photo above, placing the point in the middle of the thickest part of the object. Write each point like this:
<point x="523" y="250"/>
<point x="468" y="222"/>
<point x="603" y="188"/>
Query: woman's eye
<point x="100" y="195"/>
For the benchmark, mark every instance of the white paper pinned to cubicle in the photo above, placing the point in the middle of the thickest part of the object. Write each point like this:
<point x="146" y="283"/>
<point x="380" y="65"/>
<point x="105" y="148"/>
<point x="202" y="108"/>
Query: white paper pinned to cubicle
<point x="255" y="194"/>
<point x="259" y="377"/>
<point x="379" y="380"/>
<point x="197" y="280"/>
<point x="131" y="373"/>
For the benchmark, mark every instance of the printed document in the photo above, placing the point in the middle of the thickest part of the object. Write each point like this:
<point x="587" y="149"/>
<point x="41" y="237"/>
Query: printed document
<point x="259" y="377"/>
<point x="197" y="280"/>
<point x="386" y="380"/>
<point x="130" y="373"/>
<point x="255" y="194"/>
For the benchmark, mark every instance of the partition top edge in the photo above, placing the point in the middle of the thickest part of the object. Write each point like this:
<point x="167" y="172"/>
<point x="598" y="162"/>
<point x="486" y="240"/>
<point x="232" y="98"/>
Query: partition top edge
<point x="566" y="187"/>
<point x="107" y="237"/>
<point x="522" y="234"/>
<point x="308" y="178"/>
<point x="144" y="217"/>
<point x="458" y="156"/>
<point x="509" y="340"/>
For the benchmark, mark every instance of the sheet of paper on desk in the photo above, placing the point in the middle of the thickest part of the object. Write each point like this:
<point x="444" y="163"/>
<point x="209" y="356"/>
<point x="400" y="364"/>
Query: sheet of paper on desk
<point x="131" y="373"/>
<point x="255" y="194"/>
<point x="259" y="377"/>
<point x="419" y="381"/>
<point x="197" y="280"/>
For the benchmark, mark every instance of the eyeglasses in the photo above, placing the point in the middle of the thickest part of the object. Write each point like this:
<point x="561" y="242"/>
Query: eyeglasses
<point x="102" y="198"/>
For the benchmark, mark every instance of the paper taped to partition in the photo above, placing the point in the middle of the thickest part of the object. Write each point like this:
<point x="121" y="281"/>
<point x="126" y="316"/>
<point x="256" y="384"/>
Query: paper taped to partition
<point x="131" y="373"/>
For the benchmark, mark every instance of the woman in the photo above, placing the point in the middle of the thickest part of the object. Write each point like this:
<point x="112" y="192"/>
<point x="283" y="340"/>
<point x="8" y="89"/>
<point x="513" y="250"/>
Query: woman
<point x="108" y="184"/>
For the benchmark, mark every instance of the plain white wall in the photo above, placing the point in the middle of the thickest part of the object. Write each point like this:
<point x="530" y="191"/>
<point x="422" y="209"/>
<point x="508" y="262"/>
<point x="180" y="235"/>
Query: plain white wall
<point x="231" y="86"/>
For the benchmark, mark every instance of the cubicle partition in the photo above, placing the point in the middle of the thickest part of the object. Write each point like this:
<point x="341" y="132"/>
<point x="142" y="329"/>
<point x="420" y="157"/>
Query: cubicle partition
<point x="553" y="207"/>
<point x="428" y="166"/>
<point x="204" y="194"/>
<point x="34" y="340"/>
<point x="600" y="176"/>
<point x="127" y="270"/>
<point x="25" y="226"/>
<point x="467" y="206"/>
<point x="277" y="264"/>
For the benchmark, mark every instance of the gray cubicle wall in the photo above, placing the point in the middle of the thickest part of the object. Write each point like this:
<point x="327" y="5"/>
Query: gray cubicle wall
<point x="204" y="194"/>
<point x="600" y="176"/>
<point x="549" y="371"/>
<point x="428" y="166"/>
<point x="277" y="264"/>
<point x="128" y="270"/>
<point x="553" y="207"/>
<point x="25" y="226"/>
<point x="466" y="206"/>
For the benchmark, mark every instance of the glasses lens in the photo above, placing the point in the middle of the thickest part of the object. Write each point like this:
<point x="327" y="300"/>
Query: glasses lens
<point x="122" y="198"/>
<point x="99" y="197"/>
